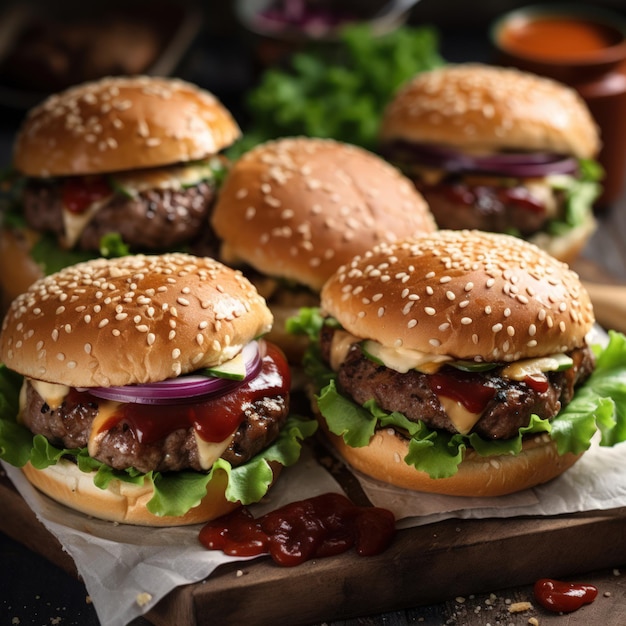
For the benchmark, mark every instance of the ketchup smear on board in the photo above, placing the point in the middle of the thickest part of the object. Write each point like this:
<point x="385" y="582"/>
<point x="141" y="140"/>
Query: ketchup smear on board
<point x="562" y="597"/>
<point x="317" y="527"/>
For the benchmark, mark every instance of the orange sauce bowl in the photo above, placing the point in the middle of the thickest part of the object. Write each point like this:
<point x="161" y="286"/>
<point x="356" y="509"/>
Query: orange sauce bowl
<point x="567" y="42"/>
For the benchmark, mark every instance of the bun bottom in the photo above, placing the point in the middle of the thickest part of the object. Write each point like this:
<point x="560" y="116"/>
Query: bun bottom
<point x="567" y="248"/>
<point x="477" y="476"/>
<point x="123" y="502"/>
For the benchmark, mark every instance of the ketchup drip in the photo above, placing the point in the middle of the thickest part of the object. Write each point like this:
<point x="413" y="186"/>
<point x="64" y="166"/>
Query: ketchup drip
<point x="317" y="527"/>
<point x="216" y="417"/>
<point x="78" y="194"/>
<point x="463" y="388"/>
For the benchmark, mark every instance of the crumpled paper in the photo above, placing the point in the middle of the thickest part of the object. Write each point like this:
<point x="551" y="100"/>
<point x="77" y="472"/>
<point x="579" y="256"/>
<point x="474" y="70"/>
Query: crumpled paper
<point x="128" y="569"/>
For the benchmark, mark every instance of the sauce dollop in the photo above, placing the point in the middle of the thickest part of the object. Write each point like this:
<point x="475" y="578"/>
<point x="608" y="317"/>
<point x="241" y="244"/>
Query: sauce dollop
<point x="462" y="387"/>
<point x="317" y="527"/>
<point x="563" y="597"/>
<point x="214" y="418"/>
<point x="78" y="194"/>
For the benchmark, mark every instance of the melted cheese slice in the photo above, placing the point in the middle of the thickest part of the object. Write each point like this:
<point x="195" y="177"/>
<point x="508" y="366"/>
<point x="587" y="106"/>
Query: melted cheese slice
<point x="462" y="419"/>
<point x="106" y="408"/>
<point x="175" y="177"/>
<point x="342" y="340"/>
<point x="210" y="451"/>
<point x="75" y="223"/>
<point x="52" y="394"/>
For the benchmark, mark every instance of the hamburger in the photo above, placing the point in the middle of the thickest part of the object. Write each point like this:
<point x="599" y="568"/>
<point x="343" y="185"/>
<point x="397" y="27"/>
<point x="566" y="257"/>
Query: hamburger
<point x="292" y="210"/>
<point x="497" y="149"/>
<point x="457" y="363"/>
<point x="118" y="165"/>
<point x="140" y="390"/>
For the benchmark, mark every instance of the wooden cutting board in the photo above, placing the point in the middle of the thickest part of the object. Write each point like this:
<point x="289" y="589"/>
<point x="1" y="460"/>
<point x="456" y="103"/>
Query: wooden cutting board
<point x="424" y="565"/>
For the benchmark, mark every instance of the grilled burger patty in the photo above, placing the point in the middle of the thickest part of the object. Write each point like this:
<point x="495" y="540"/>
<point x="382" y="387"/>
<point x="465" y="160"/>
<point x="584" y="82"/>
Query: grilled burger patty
<point x="410" y="393"/>
<point x="153" y="219"/>
<point x="458" y="205"/>
<point x="69" y="426"/>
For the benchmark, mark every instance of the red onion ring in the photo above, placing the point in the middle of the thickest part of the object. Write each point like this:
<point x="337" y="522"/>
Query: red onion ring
<point x="516" y="164"/>
<point x="183" y="389"/>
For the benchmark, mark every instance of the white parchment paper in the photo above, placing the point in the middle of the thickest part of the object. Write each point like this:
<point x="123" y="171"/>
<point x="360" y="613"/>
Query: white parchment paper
<point x="128" y="569"/>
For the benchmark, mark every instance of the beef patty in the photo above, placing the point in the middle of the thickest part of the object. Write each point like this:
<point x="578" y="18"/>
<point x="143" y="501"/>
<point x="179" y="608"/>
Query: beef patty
<point x="509" y="409"/>
<point x="69" y="426"/>
<point x="154" y="219"/>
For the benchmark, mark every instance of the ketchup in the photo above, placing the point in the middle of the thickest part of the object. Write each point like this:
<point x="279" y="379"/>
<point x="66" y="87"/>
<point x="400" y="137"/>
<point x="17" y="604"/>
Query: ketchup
<point x="78" y="194"/>
<point x="562" y="597"/>
<point x="214" y="418"/>
<point x="461" y="193"/>
<point x="462" y="387"/>
<point x="317" y="527"/>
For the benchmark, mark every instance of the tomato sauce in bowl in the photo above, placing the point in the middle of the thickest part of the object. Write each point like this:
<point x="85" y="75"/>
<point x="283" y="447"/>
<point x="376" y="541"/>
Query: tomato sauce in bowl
<point x="557" y="37"/>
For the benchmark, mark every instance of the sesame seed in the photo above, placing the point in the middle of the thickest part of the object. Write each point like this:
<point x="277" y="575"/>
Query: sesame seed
<point x="429" y="310"/>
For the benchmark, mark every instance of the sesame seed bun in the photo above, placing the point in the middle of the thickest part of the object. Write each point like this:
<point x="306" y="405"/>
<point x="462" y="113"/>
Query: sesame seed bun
<point x="133" y="319"/>
<point x="477" y="476"/>
<point x="482" y="109"/>
<point x="297" y="208"/>
<point x="465" y="294"/>
<point x="124" y="502"/>
<point x="122" y="123"/>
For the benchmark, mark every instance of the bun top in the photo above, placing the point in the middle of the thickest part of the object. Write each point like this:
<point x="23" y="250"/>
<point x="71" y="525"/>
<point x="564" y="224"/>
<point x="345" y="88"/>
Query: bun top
<point x="134" y="319"/>
<point x="122" y="123"/>
<point x="297" y="208"/>
<point x="482" y="109"/>
<point x="465" y="294"/>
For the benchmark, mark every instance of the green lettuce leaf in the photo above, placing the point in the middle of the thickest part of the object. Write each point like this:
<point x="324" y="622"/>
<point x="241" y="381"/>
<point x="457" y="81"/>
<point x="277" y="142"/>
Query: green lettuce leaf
<point x="174" y="492"/>
<point x="580" y="192"/>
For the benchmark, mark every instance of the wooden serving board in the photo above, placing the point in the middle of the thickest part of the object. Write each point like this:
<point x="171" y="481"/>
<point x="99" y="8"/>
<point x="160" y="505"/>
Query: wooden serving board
<point x="424" y="565"/>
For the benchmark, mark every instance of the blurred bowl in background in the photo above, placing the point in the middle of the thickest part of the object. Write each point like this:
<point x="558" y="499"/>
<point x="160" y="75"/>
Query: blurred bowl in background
<point x="584" y="47"/>
<point x="279" y="27"/>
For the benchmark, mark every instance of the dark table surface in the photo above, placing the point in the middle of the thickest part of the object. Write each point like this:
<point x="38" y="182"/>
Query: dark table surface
<point x="34" y="590"/>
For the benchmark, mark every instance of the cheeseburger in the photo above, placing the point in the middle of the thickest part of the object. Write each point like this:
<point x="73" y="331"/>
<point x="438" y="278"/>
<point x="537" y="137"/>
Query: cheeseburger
<point x="148" y="394"/>
<point x="292" y="210"/>
<point x="499" y="150"/>
<point x="449" y="364"/>
<point x="111" y="166"/>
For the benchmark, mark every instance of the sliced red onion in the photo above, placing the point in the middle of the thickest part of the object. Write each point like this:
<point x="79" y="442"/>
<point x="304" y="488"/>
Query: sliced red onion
<point x="183" y="389"/>
<point x="515" y="164"/>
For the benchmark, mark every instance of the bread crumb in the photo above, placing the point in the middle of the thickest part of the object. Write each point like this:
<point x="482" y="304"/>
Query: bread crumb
<point x="87" y="599"/>
<point x="143" y="598"/>
<point x="616" y="572"/>
<point x="519" y="607"/>
<point x="607" y="594"/>
<point x="533" y="621"/>
<point x="15" y="621"/>
<point x="239" y="573"/>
